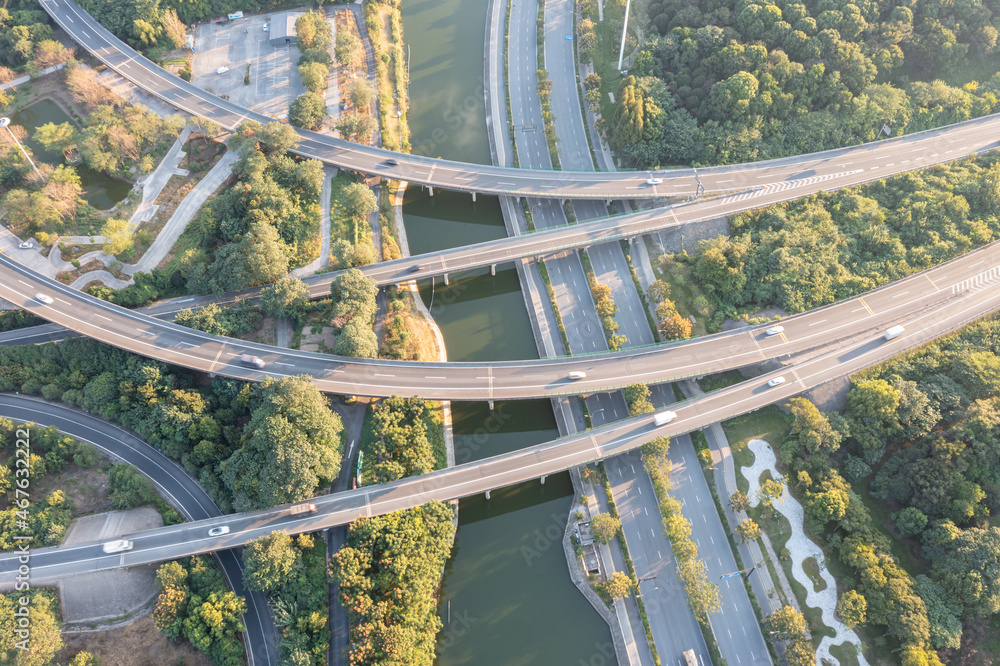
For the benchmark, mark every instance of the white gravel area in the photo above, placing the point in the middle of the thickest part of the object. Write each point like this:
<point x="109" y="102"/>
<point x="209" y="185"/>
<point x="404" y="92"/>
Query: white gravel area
<point x="801" y="548"/>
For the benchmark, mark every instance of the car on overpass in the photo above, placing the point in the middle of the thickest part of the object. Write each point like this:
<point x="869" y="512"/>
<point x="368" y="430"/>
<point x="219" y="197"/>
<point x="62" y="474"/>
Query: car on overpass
<point x="117" y="546"/>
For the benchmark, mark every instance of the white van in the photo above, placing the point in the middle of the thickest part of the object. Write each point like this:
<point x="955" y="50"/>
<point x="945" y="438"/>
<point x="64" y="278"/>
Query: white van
<point x="577" y="374"/>
<point x="119" y="546"/>
<point x="663" y="418"/>
<point x="894" y="332"/>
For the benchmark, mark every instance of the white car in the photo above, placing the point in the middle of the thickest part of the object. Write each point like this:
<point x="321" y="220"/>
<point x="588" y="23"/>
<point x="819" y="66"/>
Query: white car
<point x="578" y="374"/>
<point x="252" y="361"/>
<point x="222" y="70"/>
<point x="266" y="28"/>
<point x="774" y="330"/>
<point x="219" y="531"/>
<point x="118" y="546"/>
<point x="26" y="245"/>
<point x="777" y="381"/>
<point x="654" y="181"/>
<point x="44" y="299"/>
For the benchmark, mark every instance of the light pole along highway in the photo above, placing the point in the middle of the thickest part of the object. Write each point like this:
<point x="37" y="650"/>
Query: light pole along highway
<point x="920" y="148"/>
<point x="178" y="345"/>
<point x="831" y="360"/>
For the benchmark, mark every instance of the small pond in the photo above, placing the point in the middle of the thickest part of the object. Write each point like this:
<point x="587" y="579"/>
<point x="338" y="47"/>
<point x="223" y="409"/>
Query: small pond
<point x="99" y="190"/>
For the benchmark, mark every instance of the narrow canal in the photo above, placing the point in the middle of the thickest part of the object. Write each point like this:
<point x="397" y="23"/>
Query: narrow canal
<point x="506" y="596"/>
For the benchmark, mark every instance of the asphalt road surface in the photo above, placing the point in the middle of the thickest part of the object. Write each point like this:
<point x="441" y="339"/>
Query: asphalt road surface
<point x="174" y="483"/>
<point x="833" y="360"/>
<point x="872" y="313"/>
<point x="917" y="149"/>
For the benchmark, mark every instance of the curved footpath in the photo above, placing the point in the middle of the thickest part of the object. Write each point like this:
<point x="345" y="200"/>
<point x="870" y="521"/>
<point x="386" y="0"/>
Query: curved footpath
<point x="896" y="303"/>
<point x="834" y="360"/>
<point x="489" y="179"/>
<point x="174" y="483"/>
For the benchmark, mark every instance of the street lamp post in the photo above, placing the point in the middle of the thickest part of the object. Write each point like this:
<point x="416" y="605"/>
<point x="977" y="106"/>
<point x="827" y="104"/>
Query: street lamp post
<point x="399" y="123"/>
<point x="5" y="122"/>
<point x="742" y="572"/>
<point x="621" y="52"/>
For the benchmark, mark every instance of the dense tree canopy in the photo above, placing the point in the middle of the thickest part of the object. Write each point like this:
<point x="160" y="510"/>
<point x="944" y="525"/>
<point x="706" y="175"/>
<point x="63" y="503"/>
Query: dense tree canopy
<point x="292" y="445"/>
<point x="388" y="574"/>
<point x="266" y="223"/>
<point x="743" y="80"/>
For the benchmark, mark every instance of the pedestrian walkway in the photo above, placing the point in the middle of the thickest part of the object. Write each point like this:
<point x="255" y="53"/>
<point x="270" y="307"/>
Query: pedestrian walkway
<point x="800" y="548"/>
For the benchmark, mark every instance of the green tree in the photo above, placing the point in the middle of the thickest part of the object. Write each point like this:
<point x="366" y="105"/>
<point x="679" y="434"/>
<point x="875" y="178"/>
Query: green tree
<point x="787" y="623"/>
<point x="358" y="201"/>
<point x="739" y="501"/>
<point x="288" y="297"/>
<point x="361" y="94"/>
<point x="910" y="521"/>
<point x="852" y="609"/>
<point x="703" y="596"/>
<point x="401" y="446"/>
<point x="618" y="586"/>
<point x="748" y="530"/>
<point x="84" y="659"/>
<point x="45" y="640"/>
<point x="292" y="445"/>
<point x="604" y="527"/>
<point x="657" y="448"/>
<point x="270" y="562"/>
<point x="637" y="399"/>
<point x="56" y="137"/>
<point x="314" y="76"/>
<point x="307" y="111"/>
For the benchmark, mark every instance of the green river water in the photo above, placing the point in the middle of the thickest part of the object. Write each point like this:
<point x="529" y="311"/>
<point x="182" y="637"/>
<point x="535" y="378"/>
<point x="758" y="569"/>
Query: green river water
<point x="506" y="598"/>
<point x="99" y="190"/>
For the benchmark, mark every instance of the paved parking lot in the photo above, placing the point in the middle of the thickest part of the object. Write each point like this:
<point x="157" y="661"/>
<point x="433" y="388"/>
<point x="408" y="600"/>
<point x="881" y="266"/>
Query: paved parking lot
<point x="274" y="80"/>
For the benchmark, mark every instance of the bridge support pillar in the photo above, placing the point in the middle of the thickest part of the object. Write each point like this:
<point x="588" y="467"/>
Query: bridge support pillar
<point x="543" y="479"/>
<point x="493" y="269"/>
<point x="431" y="190"/>
<point x="607" y="202"/>
<point x="473" y="197"/>
<point x="491" y="405"/>
<point x="446" y="279"/>
<point x="487" y="494"/>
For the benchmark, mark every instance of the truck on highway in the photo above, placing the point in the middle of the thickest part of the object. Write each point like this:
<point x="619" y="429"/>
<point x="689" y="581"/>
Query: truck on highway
<point x="690" y="659"/>
<point x="663" y="418"/>
<point x="301" y="509"/>
<point x="894" y="332"/>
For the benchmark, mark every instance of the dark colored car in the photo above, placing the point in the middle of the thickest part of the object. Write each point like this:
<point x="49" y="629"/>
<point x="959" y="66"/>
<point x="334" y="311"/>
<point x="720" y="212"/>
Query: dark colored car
<point x="252" y="361"/>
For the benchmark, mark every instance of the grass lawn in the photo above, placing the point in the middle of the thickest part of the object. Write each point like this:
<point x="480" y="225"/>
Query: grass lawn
<point x="769" y="423"/>
<point x="188" y="245"/>
<point x="342" y="226"/>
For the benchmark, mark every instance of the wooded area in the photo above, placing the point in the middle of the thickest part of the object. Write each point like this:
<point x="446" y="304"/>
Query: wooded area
<point x="743" y="80"/>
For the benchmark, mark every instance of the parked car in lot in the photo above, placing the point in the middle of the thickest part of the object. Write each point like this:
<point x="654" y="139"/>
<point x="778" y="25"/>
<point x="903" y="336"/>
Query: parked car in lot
<point x="222" y="70"/>
<point x="26" y="245"/>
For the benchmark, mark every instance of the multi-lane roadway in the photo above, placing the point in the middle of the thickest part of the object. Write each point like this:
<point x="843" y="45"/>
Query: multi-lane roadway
<point x="831" y="360"/>
<point x="916" y="149"/>
<point x="186" y="347"/>
<point x="173" y="482"/>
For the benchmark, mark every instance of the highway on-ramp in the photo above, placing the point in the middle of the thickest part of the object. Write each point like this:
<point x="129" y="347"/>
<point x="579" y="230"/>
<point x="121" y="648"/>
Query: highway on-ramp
<point x="915" y="149"/>
<point x="834" y="360"/>
<point x="178" y="345"/>
<point x="174" y="484"/>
